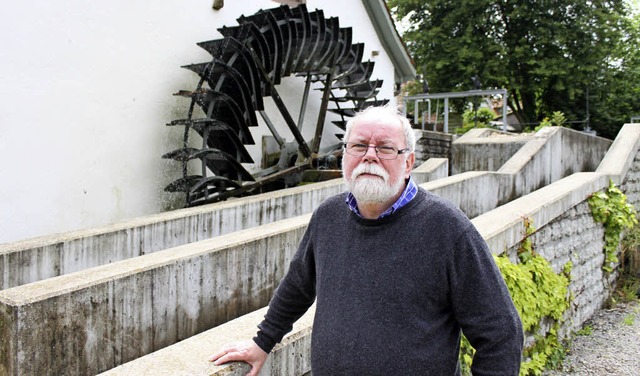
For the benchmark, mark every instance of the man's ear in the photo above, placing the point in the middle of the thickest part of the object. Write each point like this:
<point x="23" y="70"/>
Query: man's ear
<point x="411" y="159"/>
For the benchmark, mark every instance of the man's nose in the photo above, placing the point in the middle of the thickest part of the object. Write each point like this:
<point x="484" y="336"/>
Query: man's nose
<point x="371" y="153"/>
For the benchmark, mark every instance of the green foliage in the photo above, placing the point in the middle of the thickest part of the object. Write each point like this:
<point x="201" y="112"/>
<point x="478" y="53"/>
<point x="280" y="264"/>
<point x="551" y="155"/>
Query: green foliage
<point x="525" y="249"/>
<point x="546" y="353"/>
<point x="482" y="117"/>
<point x="466" y="356"/>
<point x="612" y="210"/>
<point x="585" y="331"/>
<point x="614" y="94"/>
<point x="628" y="288"/>
<point x="557" y="119"/>
<point x="472" y="119"/>
<point x="536" y="290"/>
<point x="566" y="270"/>
<point x="538" y="293"/>
<point x="546" y="56"/>
<point x="544" y="123"/>
<point x="629" y="320"/>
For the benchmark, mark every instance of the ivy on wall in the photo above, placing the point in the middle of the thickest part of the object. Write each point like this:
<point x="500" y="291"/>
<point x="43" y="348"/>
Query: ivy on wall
<point x="612" y="210"/>
<point x="539" y="294"/>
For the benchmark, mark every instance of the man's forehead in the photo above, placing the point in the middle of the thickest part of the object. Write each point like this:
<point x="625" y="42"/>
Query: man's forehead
<point x="376" y="127"/>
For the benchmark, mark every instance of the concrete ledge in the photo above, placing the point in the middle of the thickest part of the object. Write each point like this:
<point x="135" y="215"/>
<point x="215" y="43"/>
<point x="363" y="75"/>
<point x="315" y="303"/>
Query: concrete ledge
<point x="98" y="318"/>
<point x="503" y="227"/>
<point x="544" y="159"/>
<point x="552" y="155"/>
<point x="423" y="133"/>
<point x="93" y="320"/>
<point x="484" y="149"/>
<point x="190" y="357"/>
<point x="50" y="256"/>
<point x="475" y="135"/>
<point x="524" y="155"/>
<point x="464" y="190"/>
<point x="432" y="169"/>
<point x="617" y="162"/>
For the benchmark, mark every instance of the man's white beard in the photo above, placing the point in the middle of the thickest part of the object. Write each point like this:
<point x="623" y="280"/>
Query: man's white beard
<point x="372" y="190"/>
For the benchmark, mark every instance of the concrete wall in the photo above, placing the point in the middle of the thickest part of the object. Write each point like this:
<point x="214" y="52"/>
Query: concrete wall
<point x="565" y="232"/>
<point x="430" y="170"/>
<point x="548" y="156"/>
<point x="474" y="192"/>
<point x="559" y="152"/>
<point x="49" y="256"/>
<point x="95" y="319"/>
<point x="87" y="92"/>
<point x="483" y="149"/>
<point x="465" y="188"/>
<point x="432" y="145"/>
<point x="552" y="154"/>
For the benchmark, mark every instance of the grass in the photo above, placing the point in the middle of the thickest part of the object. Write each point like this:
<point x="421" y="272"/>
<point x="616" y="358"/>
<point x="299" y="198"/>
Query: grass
<point x="629" y="320"/>
<point x="585" y="331"/>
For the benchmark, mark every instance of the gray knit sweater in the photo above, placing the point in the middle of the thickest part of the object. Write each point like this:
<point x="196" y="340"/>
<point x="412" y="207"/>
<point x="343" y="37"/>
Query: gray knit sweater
<point x="394" y="294"/>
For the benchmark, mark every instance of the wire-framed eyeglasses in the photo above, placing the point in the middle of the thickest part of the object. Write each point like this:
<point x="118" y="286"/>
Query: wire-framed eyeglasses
<point x="383" y="151"/>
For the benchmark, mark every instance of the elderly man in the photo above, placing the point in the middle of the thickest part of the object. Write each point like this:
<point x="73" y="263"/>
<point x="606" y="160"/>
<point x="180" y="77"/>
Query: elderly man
<point x="397" y="272"/>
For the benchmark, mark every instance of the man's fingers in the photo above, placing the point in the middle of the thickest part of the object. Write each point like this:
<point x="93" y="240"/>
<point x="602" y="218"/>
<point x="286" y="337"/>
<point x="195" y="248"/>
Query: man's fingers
<point x="216" y="356"/>
<point x="246" y="351"/>
<point x="227" y="349"/>
<point x="228" y="357"/>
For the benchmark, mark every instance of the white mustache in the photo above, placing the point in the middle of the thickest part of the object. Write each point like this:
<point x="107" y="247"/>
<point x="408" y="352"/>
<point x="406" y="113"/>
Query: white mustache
<point x="370" y="168"/>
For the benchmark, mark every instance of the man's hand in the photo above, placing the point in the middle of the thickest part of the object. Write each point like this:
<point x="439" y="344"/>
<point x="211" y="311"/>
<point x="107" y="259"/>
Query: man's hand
<point x="244" y="351"/>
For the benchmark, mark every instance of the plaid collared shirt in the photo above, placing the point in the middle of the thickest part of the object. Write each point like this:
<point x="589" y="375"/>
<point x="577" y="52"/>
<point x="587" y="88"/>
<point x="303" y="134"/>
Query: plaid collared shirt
<point x="407" y="195"/>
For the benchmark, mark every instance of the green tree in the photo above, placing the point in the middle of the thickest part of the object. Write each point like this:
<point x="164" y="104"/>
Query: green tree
<point x="549" y="54"/>
<point x="615" y="94"/>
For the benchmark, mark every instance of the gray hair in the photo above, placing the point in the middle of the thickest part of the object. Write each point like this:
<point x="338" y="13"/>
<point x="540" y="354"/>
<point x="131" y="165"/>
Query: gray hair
<point x="409" y="135"/>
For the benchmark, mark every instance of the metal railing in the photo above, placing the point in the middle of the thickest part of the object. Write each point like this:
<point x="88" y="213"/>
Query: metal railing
<point x="418" y="98"/>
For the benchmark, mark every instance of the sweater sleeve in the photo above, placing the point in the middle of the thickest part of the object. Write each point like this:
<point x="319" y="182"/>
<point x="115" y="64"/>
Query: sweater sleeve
<point x="293" y="297"/>
<point x="484" y="309"/>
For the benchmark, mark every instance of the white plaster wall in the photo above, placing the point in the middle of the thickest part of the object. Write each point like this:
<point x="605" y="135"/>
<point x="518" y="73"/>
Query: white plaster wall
<point x="85" y="93"/>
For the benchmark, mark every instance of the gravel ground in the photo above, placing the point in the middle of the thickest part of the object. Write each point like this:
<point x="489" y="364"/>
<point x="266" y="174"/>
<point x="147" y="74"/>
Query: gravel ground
<point x="612" y="348"/>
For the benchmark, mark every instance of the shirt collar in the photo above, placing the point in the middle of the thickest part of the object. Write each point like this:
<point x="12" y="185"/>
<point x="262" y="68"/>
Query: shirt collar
<point x="407" y="195"/>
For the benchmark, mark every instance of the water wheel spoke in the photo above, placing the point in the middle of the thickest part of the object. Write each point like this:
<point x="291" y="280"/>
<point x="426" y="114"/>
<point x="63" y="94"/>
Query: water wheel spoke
<point x="248" y="64"/>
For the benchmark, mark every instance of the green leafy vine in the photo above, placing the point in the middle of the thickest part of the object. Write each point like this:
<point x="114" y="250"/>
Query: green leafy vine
<point x="610" y="208"/>
<point x="538" y="293"/>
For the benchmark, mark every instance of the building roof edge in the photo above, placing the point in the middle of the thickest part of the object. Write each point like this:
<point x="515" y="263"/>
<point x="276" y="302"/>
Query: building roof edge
<point x="384" y="25"/>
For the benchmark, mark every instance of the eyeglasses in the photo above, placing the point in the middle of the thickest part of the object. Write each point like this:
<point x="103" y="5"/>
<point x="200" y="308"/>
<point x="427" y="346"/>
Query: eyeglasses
<point x="384" y="151"/>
